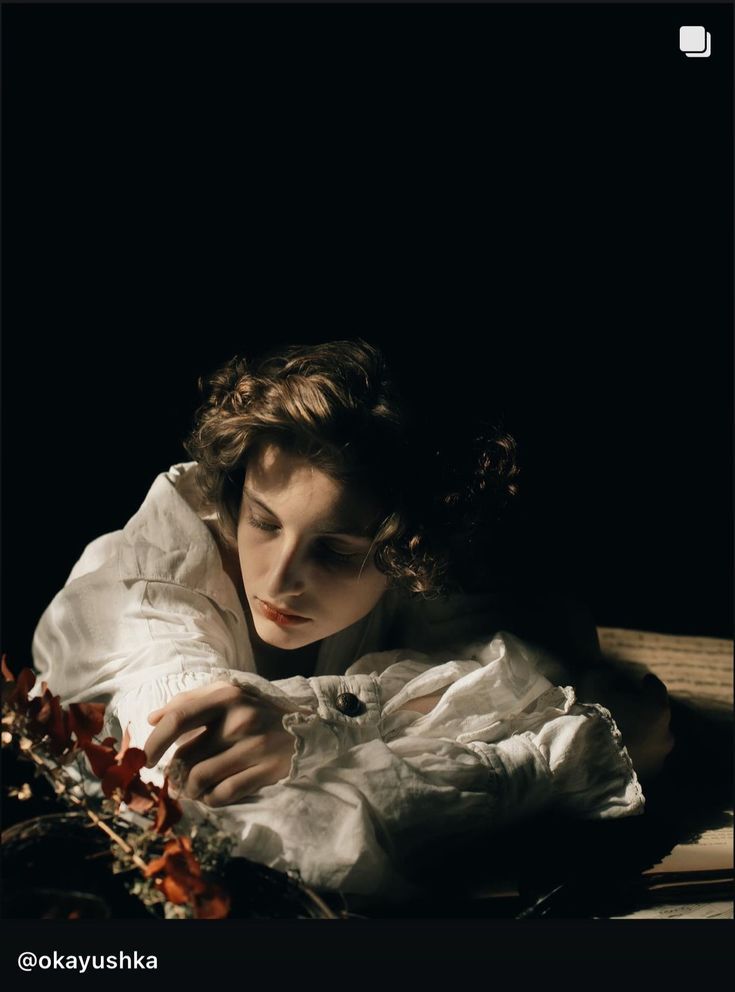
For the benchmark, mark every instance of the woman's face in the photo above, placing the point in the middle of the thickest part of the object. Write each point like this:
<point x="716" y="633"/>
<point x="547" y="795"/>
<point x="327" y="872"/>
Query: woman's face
<point x="304" y="543"/>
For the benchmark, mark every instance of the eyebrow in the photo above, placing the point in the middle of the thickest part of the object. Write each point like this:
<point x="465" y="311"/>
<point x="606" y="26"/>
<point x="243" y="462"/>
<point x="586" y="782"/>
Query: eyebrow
<point x="331" y="528"/>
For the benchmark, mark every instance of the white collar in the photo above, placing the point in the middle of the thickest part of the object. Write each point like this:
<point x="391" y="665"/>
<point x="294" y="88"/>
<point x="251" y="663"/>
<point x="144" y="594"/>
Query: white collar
<point x="168" y="541"/>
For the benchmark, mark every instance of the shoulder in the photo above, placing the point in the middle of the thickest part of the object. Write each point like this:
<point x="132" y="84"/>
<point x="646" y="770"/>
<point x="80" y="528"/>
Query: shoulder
<point x="167" y="540"/>
<point x="99" y="553"/>
<point x="171" y="512"/>
<point x="151" y="542"/>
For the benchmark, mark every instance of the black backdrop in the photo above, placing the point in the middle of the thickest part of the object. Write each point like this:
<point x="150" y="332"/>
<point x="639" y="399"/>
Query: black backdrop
<point x="529" y="208"/>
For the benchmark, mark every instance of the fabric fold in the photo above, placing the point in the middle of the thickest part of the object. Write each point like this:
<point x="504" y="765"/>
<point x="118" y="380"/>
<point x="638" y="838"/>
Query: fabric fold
<point x="148" y="613"/>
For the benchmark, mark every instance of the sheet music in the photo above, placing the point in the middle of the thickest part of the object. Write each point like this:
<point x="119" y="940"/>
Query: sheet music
<point x="712" y="850"/>
<point x="721" y="910"/>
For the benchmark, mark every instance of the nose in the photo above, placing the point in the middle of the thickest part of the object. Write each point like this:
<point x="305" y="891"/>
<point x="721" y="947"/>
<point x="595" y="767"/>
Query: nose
<point x="287" y="577"/>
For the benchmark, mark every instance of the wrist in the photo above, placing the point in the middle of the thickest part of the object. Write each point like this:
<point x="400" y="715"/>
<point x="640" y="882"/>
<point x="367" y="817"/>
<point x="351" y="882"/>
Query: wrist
<point x="347" y="714"/>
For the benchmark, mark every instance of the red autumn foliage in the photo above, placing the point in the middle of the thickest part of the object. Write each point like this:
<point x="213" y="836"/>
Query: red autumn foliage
<point x="168" y="811"/>
<point x="100" y="756"/>
<point x="65" y="729"/>
<point x="183" y="874"/>
<point x="85" y="720"/>
<point x="212" y="904"/>
<point x="122" y="777"/>
<point x="46" y="718"/>
<point x="15" y="691"/>
<point x="121" y="773"/>
<point x="71" y="731"/>
<point x="182" y="881"/>
<point x="140" y="796"/>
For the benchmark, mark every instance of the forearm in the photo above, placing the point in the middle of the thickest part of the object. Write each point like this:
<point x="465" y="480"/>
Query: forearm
<point x="358" y="820"/>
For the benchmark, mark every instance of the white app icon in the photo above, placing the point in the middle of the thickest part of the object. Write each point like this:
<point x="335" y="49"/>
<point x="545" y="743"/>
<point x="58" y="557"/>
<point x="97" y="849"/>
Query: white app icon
<point x="695" y="42"/>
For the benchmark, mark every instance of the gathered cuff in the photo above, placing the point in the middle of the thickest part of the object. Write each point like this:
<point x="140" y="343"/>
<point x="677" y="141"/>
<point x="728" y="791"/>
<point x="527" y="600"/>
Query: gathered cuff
<point x="327" y="731"/>
<point x="564" y="754"/>
<point x="591" y="771"/>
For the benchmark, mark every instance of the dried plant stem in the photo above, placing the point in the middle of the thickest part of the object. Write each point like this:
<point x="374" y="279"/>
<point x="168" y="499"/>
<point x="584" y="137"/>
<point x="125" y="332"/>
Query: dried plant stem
<point x="98" y="821"/>
<point x="135" y="858"/>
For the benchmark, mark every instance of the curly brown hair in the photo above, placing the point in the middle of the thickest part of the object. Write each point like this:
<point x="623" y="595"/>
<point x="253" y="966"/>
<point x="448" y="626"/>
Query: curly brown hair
<point x="336" y="405"/>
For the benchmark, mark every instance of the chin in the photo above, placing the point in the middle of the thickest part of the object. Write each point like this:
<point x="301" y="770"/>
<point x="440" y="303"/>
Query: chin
<point x="284" y="637"/>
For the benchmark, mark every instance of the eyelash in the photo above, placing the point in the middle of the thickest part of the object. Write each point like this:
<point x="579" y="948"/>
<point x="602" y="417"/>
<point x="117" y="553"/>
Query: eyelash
<point x="334" y="555"/>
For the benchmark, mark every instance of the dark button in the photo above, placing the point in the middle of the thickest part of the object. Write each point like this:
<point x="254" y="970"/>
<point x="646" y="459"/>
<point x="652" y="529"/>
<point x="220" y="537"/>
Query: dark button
<point x="348" y="703"/>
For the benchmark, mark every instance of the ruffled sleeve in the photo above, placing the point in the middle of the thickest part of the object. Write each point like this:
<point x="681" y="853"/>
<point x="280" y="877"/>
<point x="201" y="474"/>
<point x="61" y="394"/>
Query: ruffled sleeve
<point x="545" y="745"/>
<point x="367" y="783"/>
<point x="364" y="792"/>
<point x="105" y="635"/>
<point x="576" y="751"/>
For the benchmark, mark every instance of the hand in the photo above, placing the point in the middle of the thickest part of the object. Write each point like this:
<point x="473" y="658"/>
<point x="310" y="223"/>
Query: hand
<point x="240" y="748"/>
<point x="642" y="712"/>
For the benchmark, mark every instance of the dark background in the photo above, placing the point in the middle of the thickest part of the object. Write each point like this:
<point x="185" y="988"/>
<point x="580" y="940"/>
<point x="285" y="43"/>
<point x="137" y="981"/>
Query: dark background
<point x="530" y="208"/>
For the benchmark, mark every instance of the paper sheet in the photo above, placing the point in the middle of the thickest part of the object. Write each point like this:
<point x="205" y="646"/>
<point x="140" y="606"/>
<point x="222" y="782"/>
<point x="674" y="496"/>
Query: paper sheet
<point x="722" y="910"/>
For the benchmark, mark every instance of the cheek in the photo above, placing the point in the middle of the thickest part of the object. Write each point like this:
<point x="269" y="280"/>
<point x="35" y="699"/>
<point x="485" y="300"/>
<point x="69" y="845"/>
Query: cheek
<point x="253" y="559"/>
<point x="364" y="593"/>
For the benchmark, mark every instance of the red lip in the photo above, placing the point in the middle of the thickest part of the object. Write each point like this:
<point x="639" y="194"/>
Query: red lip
<point x="278" y="616"/>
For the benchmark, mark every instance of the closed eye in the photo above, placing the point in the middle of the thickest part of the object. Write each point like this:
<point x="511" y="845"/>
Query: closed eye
<point x="339" y="556"/>
<point x="327" y="551"/>
<point x="260" y="524"/>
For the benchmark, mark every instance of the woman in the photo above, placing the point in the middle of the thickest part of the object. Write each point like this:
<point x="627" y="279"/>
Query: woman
<point x="288" y="614"/>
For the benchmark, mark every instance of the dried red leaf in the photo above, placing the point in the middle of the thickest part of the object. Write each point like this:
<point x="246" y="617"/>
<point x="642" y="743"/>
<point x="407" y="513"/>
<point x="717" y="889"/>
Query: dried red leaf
<point x="182" y="880"/>
<point x="155" y="866"/>
<point x="139" y="796"/>
<point x="168" y="812"/>
<point x="177" y="845"/>
<point x="100" y="756"/>
<point x="174" y="892"/>
<point x="85" y="719"/>
<point x="121" y="774"/>
<point x="26" y="680"/>
<point x="15" y="691"/>
<point x="180" y="856"/>
<point x="46" y="718"/>
<point x="212" y="904"/>
<point x="181" y="888"/>
<point x="73" y="730"/>
<point x="6" y="673"/>
<point x="124" y="745"/>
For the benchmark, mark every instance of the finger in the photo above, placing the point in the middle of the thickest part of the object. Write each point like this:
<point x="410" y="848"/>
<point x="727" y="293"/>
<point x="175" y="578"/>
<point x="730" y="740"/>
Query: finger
<point x="174" y="723"/>
<point x="234" y="789"/>
<point x="205" y="745"/>
<point x="205" y="776"/>
<point x="225" y="691"/>
<point x="222" y="691"/>
<point x="200" y="692"/>
<point x="188" y="737"/>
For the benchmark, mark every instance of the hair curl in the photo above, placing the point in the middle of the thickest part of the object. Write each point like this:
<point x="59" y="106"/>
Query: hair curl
<point x="336" y="405"/>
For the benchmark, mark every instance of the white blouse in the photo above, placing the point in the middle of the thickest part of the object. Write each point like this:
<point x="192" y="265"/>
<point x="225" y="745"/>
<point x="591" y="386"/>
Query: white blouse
<point x="148" y="612"/>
